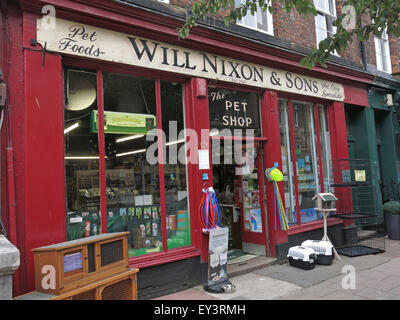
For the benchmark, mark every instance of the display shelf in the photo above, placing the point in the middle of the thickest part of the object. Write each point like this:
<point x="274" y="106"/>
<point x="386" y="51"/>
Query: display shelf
<point x="353" y="216"/>
<point x="343" y="185"/>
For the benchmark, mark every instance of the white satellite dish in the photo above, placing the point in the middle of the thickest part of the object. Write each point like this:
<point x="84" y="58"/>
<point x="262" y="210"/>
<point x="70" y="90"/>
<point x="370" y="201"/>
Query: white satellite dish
<point x="81" y="94"/>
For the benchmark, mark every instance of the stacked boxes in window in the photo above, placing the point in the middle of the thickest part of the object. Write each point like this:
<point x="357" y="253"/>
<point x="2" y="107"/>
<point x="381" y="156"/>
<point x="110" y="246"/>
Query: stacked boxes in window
<point x="137" y="239"/>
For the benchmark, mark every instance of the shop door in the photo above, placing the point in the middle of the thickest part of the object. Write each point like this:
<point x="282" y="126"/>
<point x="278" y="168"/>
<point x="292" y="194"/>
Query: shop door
<point x="240" y="190"/>
<point x="252" y="206"/>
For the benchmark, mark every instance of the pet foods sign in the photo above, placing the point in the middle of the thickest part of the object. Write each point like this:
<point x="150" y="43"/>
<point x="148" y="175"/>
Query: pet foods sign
<point x="91" y="42"/>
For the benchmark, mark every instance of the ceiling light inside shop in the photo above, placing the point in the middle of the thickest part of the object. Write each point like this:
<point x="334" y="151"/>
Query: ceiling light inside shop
<point x="175" y="142"/>
<point x="81" y="158"/>
<point x="70" y="128"/>
<point x="130" y="152"/>
<point x="127" y="138"/>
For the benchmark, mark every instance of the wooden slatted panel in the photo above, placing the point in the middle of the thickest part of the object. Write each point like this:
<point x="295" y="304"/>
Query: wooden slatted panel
<point x="118" y="291"/>
<point x="91" y="258"/>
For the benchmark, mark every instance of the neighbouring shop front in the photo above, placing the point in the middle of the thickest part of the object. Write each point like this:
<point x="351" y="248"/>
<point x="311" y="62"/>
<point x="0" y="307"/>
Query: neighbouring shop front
<point x="178" y="117"/>
<point x="373" y="135"/>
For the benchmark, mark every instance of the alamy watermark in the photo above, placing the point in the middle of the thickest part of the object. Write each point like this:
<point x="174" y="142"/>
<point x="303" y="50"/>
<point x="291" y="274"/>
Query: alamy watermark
<point x="49" y="17"/>
<point x="349" y="19"/>
<point x="349" y="280"/>
<point x="237" y="148"/>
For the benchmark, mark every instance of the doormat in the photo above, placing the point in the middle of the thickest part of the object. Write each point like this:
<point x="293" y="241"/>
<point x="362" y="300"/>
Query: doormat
<point x="236" y="256"/>
<point x="357" y="251"/>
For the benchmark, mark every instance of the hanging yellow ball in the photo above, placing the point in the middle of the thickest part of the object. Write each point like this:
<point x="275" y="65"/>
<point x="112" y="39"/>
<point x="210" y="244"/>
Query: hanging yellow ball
<point x="274" y="174"/>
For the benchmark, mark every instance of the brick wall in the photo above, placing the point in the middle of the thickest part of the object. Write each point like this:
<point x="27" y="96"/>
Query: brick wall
<point x="394" y="44"/>
<point x="300" y="30"/>
<point x="189" y="3"/>
<point x="293" y="27"/>
<point x="353" y="51"/>
<point x="369" y="45"/>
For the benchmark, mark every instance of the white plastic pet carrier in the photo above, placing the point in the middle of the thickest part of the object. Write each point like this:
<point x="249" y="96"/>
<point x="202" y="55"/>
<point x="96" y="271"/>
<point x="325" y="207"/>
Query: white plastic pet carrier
<point x="301" y="257"/>
<point x="323" y="249"/>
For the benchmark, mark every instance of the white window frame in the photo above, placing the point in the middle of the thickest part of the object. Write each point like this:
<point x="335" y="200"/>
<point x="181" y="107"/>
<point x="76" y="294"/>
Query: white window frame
<point x="164" y="1"/>
<point x="383" y="59"/>
<point x="326" y="13"/>
<point x="270" y="24"/>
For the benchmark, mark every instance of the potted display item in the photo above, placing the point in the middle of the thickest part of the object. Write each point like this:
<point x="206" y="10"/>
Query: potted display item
<point x="391" y="211"/>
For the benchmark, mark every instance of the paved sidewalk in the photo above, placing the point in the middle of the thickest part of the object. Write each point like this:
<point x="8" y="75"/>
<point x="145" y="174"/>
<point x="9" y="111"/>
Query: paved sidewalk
<point x="377" y="277"/>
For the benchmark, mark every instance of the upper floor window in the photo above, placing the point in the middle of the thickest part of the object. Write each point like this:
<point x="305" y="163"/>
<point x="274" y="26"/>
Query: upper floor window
<point x="261" y="21"/>
<point x="382" y="50"/>
<point x="326" y="14"/>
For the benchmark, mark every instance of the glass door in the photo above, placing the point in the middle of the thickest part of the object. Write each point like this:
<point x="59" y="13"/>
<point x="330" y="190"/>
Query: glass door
<point x="239" y="185"/>
<point x="252" y="207"/>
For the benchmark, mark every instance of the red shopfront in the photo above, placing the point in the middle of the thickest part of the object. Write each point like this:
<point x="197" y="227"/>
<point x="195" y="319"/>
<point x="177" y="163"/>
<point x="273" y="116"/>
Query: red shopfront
<point x="77" y="178"/>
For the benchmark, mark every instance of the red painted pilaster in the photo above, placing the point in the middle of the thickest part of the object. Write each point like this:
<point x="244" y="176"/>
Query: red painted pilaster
<point x="197" y="118"/>
<point x="272" y="155"/>
<point x="44" y="157"/>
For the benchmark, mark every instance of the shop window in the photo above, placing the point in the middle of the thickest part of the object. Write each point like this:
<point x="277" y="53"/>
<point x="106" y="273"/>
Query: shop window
<point x="134" y="191"/>
<point x="81" y="155"/>
<point x="325" y="142"/>
<point x="175" y="174"/>
<point x="302" y="182"/>
<point x="382" y="50"/>
<point x="133" y="194"/>
<point x="287" y="164"/>
<point x="306" y="156"/>
<point x="261" y="21"/>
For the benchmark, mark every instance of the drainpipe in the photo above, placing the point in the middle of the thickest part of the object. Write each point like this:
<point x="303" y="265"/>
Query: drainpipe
<point x="364" y="55"/>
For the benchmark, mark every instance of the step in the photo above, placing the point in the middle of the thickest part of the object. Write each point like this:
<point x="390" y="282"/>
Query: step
<point x="256" y="263"/>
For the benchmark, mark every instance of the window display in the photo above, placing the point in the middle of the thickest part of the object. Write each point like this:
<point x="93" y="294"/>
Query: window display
<point x="133" y="185"/>
<point x="305" y="155"/>
<point x="81" y="155"/>
<point x="306" y="158"/>
<point x="133" y="194"/>
<point x="287" y="164"/>
<point x="175" y="177"/>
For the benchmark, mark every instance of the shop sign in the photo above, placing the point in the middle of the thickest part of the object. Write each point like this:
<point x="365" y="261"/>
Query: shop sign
<point x="124" y="123"/>
<point x="233" y="109"/>
<point x="91" y="42"/>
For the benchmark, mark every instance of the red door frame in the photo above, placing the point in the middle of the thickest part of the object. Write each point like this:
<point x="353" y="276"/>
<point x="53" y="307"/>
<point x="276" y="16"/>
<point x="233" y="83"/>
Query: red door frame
<point x="264" y="238"/>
